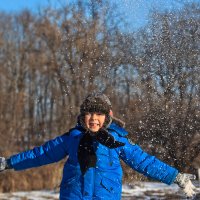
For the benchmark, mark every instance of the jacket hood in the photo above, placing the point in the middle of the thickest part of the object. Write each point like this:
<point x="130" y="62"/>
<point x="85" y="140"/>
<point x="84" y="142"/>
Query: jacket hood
<point x="121" y="131"/>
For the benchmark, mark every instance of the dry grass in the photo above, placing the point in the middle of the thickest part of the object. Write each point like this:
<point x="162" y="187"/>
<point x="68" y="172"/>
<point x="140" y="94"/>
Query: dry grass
<point x="46" y="177"/>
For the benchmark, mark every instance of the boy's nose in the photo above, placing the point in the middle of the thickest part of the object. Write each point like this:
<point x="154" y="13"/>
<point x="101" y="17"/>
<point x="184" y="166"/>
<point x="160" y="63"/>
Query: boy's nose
<point x="93" y="115"/>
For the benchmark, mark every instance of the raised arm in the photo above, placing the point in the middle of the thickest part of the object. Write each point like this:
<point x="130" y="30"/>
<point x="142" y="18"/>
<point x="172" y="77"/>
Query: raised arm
<point x="50" y="152"/>
<point x="152" y="167"/>
<point x="147" y="164"/>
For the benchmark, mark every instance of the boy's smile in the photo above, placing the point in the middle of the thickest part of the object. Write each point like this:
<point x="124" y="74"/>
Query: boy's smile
<point x="94" y="121"/>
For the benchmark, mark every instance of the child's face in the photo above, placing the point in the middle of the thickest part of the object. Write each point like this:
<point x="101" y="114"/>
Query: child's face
<point x="94" y="121"/>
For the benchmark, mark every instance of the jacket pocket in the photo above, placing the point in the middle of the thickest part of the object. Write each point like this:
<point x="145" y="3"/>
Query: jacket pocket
<point x="112" y="186"/>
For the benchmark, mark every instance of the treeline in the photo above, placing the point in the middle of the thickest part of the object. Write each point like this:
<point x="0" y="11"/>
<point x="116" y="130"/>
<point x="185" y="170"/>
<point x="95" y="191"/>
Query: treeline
<point x="50" y="60"/>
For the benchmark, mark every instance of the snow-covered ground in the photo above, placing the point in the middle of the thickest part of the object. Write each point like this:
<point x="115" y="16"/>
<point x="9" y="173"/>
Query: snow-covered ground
<point x="136" y="191"/>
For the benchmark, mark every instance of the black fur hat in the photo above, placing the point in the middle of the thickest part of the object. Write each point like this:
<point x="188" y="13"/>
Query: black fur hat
<point x="96" y="102"/>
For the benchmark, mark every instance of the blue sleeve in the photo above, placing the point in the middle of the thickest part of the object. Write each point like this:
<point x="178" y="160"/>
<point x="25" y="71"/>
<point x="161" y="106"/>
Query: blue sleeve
<point x="50" y="152"/>
<point x="146" y="164"/>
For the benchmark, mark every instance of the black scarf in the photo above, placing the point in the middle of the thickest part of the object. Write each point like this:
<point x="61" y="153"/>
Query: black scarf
<point x="86" y="154"/>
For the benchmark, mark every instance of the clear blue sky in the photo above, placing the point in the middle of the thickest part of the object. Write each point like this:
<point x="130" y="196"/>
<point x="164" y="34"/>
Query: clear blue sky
<point x="17" y="5"/>
<point x="136" y="11"/>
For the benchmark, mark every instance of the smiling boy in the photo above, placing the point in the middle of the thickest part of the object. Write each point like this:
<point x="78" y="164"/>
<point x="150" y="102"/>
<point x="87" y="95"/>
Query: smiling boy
<point x="94" y="121"/>
<point x="94" y="148"/>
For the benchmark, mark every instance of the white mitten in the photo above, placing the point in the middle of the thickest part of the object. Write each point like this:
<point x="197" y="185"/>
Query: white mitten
<point x="184" y="182"/>
<point x="2" y="164"/>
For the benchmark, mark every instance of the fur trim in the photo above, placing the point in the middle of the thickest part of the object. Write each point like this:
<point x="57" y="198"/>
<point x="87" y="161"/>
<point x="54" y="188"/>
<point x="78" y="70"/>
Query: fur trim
<point x="118" y="121"/>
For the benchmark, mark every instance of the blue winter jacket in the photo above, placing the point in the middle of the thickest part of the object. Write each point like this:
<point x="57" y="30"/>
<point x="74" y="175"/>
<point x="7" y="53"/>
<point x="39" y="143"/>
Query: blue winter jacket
<point x="103" y="182"/>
